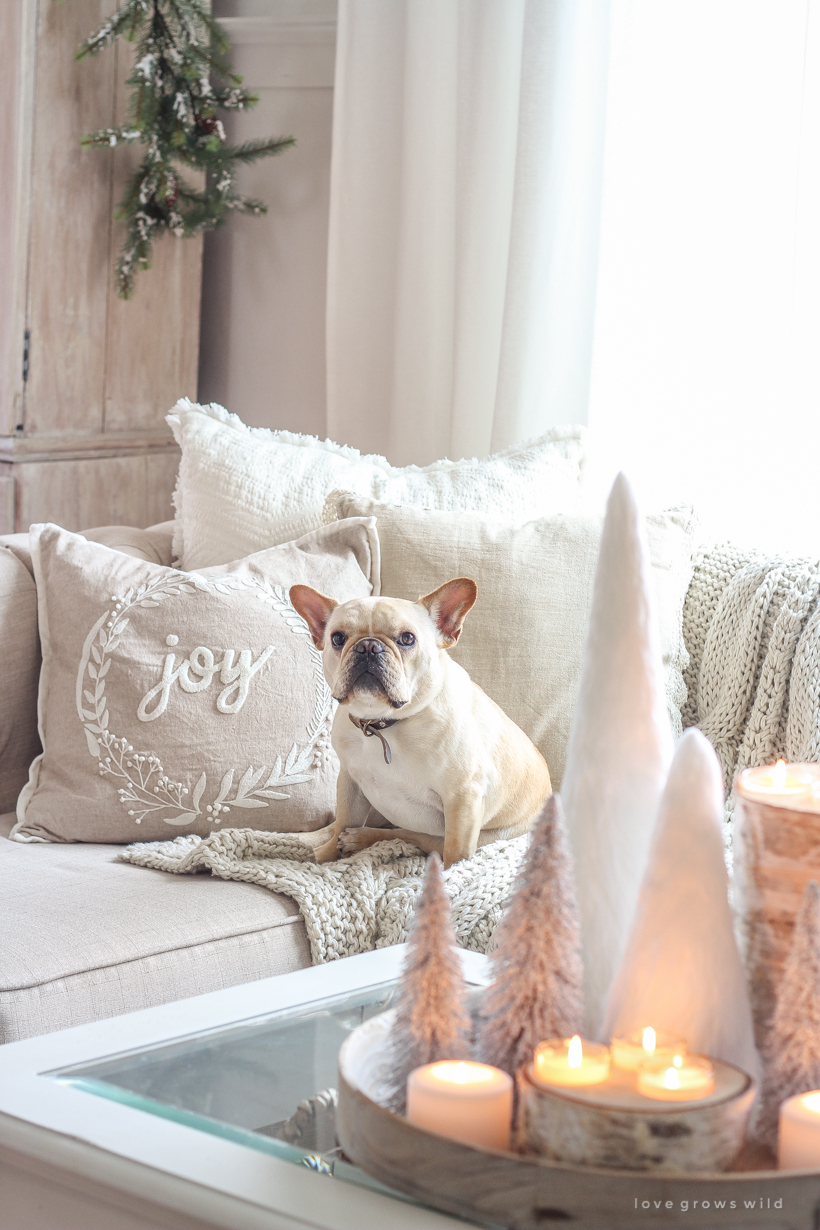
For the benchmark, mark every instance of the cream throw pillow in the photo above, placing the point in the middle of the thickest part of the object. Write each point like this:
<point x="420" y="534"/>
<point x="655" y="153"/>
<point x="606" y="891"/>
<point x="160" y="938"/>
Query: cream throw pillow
<point x="523" y="641"/>
<point x="173" y="702"/>
<point x="244" y="488"/>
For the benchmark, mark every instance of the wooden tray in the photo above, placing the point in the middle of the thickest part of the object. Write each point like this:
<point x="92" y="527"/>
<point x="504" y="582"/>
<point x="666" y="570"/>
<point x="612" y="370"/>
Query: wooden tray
<point x="530" y="1193"/>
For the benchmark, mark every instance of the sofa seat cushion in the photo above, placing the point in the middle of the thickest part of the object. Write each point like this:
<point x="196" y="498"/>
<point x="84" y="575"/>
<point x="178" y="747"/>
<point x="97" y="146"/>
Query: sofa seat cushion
<point x="87" y="937"/>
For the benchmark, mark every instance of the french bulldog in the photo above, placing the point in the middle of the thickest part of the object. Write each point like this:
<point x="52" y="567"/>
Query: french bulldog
<point x="421" y="747"/>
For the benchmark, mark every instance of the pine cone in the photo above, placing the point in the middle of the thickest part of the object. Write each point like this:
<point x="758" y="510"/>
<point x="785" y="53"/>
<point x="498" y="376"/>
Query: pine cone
<point x="207" y="124"/>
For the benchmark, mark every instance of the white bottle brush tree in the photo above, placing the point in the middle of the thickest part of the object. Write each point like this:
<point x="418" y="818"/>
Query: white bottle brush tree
<point x="792" y="1051"/>
<point x="432" y="1021"/>
<point x="537" y="991"/>
<point x="179" y="81"/>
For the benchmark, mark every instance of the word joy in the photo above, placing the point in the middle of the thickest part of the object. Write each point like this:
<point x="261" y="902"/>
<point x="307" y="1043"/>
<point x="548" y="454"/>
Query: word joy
<point x="196" y="673"/>
<point x="762" y="1202"/>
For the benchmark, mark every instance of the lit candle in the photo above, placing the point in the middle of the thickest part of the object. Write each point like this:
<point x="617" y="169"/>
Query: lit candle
<point x="470" y="1102"/>
<point x="796" y="786"/>
<point x="686" y="1079"/>
<point x="798" y="1141"/>
<point x="570" y="1061"/>
<point x="636" y="1048"/>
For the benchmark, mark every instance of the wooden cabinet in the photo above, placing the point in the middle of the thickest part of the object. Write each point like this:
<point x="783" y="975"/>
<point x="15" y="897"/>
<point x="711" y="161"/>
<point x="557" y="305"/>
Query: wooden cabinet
<point x="85" y="378"/>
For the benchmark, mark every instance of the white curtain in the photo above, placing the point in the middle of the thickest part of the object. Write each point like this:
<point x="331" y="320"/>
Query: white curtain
<point x="464" y="220"/>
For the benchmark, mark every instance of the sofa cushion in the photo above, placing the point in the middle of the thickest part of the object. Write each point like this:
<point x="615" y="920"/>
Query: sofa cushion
<point x="241" y="488"/>
<point x="523" y="641"/>
<point x="86" y="936"/>
<point x="20" y="650"/>
<point x="175" y="702"/>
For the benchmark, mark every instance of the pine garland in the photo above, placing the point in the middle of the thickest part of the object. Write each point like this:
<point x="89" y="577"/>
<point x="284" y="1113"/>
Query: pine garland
<point x="180" y="79"/>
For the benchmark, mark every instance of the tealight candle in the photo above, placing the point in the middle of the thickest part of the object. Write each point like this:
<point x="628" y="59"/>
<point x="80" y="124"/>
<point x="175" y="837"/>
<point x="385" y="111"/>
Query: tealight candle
<point x="798" y="1140"/>
<point x="795" y="786"/>
<point x="636" y="1048"/>
<point x="686" y="1079"/>
<point x="570" y="1061"/>
<point x="470" y="1102"/>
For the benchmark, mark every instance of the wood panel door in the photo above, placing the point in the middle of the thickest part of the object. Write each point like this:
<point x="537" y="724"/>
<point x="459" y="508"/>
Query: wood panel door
<point x="101" y="373"/>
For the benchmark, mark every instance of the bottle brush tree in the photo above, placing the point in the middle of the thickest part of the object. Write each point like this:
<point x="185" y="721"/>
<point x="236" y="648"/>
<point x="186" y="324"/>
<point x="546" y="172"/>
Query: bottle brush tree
<point x="792" y="1050"/>
<point x="537" y="989"/>
<point x="180" y="80"/>
<point x="432" y="1021"/>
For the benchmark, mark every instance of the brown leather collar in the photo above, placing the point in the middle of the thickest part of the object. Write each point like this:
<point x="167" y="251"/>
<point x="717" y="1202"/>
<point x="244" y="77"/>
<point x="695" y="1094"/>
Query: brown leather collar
<point x="375" y="727"/>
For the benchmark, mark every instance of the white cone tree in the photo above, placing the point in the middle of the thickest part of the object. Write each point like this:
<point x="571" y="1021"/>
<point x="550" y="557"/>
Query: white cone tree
<point x="682" y="970"/>
<point x="620" y="747"/>
<point x="432" y="1021"/>
<point x="536" y="991"/>
<point x="792" y="1054"/>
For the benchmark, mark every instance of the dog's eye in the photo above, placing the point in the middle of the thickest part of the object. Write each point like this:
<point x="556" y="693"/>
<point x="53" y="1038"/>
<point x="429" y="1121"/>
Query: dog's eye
<point x="407" y="638"/>
<point x="338" y="639"/>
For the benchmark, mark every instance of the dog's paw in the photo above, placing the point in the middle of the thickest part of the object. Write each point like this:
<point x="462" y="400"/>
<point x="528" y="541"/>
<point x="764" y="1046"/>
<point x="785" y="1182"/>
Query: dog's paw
<point x="328" y="852"/>
<point x="351" y="840"/>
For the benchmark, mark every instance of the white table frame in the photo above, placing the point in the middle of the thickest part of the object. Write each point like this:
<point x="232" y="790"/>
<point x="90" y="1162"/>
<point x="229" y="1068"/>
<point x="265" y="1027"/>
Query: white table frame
<point x="70" y="1160"/>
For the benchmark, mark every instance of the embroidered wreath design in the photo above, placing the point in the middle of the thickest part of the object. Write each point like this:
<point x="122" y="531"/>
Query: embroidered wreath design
<point x="147" y="788"/>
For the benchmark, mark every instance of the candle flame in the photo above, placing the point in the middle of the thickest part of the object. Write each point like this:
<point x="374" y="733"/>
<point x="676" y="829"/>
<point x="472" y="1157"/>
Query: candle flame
<point x="457" y="1072"/>
<point x="678" y="1061"/>
<point x="575" y="1052"/>
<point x="649" y="1039"/>
<point x="671" y="1080"/>
<point x="779" y="775"/>
<point x="812" y="1101"/>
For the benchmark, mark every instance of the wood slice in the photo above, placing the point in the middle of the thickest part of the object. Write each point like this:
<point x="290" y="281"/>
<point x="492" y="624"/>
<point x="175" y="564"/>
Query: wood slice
<point x="615" y="1126"/>
<point x="777" y="852"/>
<point x="529" y="1193"/>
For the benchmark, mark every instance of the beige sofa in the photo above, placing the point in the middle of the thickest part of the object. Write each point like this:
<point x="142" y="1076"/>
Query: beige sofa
<point x="84" y="935"/>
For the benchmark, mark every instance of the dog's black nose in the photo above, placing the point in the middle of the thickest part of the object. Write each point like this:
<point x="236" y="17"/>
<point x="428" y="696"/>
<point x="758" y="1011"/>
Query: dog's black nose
<point x="371" y="646"/>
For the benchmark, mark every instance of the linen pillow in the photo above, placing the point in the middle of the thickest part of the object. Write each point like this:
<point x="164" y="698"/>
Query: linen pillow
<point x="523" y="641"/>
<point x="242" y="488"/>
<point x="172" y="702"/>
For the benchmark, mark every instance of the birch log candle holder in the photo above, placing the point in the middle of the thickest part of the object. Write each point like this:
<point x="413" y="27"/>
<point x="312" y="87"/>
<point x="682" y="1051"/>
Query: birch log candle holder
<point x="613" y="1124"/>
<point x="530" y="1191"/>
<point x="777" y="852"/>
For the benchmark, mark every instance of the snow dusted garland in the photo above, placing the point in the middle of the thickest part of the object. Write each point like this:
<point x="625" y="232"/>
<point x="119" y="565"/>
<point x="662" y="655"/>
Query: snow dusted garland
<point x="179" y="80"/>
<point x="146" y="787"/>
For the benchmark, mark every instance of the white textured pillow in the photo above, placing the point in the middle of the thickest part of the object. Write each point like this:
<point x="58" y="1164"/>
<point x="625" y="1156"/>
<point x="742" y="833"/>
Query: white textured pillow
<point x="242" y="489"/>
<point x="523" y="641"/>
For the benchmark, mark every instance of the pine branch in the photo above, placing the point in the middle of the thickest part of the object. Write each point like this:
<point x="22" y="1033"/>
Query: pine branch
<point x="181" y="78"/>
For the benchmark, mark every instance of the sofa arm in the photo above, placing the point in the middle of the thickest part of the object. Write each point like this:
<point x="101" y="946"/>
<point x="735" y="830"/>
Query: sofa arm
<point x="20" y="649"/>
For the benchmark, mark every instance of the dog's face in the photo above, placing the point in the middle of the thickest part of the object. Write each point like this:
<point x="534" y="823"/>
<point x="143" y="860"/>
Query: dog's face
<point x="384" y="654"/>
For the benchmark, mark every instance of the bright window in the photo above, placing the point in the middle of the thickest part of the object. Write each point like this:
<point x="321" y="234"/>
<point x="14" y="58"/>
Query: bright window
<point x="706" y="369"/>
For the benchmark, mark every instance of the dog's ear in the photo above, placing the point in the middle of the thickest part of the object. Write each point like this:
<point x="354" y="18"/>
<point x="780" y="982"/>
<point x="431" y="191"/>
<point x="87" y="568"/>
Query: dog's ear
<point x="448" y="606"/>
<point x="315" y="608"/>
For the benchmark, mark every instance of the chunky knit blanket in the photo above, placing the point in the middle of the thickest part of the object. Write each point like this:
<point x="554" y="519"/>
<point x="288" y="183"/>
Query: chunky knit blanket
<point x="358" y="903"/>
<point x="752" y="628"/>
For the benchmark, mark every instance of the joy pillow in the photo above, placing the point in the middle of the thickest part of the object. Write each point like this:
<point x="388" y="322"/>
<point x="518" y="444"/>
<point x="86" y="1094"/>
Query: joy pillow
<point x="173" y="702"/>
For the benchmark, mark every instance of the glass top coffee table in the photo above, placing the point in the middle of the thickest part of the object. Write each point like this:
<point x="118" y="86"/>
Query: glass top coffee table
<point x="216" y="1107"/>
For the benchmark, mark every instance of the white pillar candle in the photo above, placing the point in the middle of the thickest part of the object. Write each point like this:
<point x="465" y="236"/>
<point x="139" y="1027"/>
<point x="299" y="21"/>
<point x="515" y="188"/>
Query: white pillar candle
<point x="794" y="786"/>
<point x="470" y="1102"/>
<point x="686" y="1079"/>
<point x="798" y="1141"/>
<point x="570" y="1061"/>
<point x="633" y="1049"/>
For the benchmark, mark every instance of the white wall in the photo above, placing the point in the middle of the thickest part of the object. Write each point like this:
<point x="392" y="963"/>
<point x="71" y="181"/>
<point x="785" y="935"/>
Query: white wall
<point x="263" y="290"/>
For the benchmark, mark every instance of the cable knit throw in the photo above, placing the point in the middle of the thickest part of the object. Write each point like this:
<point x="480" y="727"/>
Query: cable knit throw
<point x="752" y="628"/>
<point x="358" y="903"/>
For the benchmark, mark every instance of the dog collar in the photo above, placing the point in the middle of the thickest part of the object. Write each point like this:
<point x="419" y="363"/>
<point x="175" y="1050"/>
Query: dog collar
<point x="375" y="727"/>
